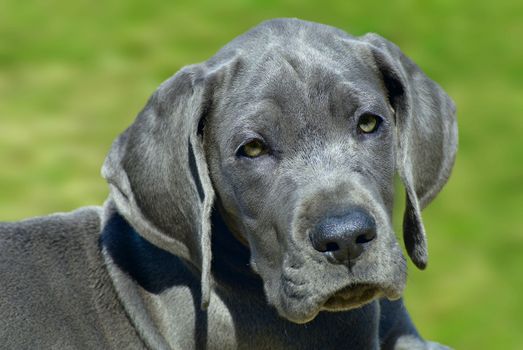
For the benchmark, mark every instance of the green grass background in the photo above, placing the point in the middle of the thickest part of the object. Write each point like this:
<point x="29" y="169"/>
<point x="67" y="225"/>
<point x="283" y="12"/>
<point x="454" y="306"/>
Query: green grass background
<point x="73" y="74"/>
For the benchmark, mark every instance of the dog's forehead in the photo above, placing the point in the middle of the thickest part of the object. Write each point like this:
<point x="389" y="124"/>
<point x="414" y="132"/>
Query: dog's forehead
<point x="296" y="80"/>
<point x="293" y="45"/>
<point x="292" y="71"/>
<point x="294" y="61"/>
<point x="290" y="83"/>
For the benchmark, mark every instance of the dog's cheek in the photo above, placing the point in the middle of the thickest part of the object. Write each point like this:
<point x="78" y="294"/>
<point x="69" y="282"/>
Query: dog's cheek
<point x="391" y="268"/>
<point x="243" y="191"/>
<point x="266" y="253"/>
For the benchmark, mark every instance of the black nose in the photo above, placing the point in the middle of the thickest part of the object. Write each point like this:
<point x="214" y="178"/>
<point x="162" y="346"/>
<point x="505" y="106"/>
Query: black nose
<point x="343" y="238"/>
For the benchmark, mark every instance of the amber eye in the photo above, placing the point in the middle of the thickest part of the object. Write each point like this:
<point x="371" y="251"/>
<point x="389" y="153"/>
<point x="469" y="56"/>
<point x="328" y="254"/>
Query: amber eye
<point x="369" y="123"/>
<point x="253" y="149"/>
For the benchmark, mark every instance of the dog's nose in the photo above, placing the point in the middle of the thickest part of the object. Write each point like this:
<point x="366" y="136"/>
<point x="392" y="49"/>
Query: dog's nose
<point x="343" y="238"/>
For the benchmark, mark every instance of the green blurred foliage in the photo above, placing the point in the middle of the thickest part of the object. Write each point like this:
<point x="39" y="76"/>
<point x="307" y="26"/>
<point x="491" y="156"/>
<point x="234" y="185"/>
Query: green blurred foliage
<point x="73" y="74"/>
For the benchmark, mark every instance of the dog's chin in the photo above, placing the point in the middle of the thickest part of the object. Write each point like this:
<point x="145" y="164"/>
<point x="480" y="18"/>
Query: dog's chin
<point x="299" y="316"/>
<point x="345" y="299"/>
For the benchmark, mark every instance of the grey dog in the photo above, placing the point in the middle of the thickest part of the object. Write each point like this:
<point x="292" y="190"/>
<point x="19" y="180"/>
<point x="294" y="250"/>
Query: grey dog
<point x="250" y="207"/>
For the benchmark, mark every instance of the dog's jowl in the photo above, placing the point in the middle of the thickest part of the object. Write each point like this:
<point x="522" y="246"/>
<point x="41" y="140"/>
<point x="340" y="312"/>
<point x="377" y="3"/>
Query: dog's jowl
<point x="250" y="207"/>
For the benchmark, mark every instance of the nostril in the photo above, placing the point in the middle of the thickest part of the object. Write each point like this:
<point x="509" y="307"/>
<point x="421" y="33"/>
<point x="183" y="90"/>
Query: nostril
<point x="365" y="238"/>
<point x="332" y="247"/>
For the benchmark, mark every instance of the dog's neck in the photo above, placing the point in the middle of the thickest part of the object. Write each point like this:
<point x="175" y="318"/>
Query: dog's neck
<point x="153" y="284"/>
<point x="231" y="258"/>
<point x="156" y="270"/>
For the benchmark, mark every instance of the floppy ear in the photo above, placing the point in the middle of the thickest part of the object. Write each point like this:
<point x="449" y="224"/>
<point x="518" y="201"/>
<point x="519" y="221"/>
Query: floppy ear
<point x="158" y="174"/>
<point x="426" y="136"/>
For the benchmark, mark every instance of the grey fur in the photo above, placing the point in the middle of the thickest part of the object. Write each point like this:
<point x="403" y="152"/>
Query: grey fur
<point x="145" y="270"/>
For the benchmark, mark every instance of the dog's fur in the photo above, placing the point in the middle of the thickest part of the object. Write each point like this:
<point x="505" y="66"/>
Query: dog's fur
<point x="200" y="247"/>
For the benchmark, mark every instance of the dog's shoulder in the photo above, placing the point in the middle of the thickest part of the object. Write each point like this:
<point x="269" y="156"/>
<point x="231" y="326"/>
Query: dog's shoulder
<point x="53" y="238"/>
<point x="54" y="285"/>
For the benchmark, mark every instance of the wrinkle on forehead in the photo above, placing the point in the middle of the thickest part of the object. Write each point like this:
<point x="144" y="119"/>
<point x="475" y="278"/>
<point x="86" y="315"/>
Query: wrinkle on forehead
<point x="309" y="92"/>
<point x="302" y="73"/>
<point x="302" y="86"/>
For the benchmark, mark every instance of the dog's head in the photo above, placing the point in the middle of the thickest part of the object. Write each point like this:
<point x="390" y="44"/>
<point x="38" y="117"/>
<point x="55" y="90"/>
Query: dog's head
<point x="294" y="131"/>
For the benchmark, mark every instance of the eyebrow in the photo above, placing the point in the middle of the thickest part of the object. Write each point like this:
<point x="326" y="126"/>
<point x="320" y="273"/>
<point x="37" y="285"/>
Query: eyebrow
<point x="344" y="100"/>
<point x="252" y="119"/>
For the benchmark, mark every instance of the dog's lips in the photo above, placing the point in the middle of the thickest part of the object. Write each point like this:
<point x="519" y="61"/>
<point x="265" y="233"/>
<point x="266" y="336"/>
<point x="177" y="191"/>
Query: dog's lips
<point x="346" y="298"/>
<point x="351" y="297"/>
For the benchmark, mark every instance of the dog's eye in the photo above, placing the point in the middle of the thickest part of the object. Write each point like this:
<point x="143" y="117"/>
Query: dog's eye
<point x="253" y="149"/>
<point x="369" y="123"/>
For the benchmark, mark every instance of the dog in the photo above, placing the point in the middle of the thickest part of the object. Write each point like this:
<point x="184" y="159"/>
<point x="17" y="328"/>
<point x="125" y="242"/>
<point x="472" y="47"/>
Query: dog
<point x="250" y="207"/>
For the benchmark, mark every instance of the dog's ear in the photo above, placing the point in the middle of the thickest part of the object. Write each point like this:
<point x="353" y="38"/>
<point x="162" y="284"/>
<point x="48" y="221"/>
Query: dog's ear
<point x="157" y="168"/>
<point x="426" y="134"/>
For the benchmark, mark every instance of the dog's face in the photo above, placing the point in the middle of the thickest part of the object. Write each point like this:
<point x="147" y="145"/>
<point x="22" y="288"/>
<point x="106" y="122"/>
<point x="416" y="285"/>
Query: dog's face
<point x="294" y="152"/>
<point x="294" y="131"/>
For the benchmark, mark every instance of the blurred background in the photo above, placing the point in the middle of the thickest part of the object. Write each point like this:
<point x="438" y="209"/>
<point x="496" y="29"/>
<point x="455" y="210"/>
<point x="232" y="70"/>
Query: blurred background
<point x="73" y="74"/>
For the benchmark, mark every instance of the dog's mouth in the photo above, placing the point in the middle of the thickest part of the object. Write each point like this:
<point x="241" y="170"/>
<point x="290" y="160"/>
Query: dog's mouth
<point x="351" y="297"/>
<point x="347" y="298"/>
